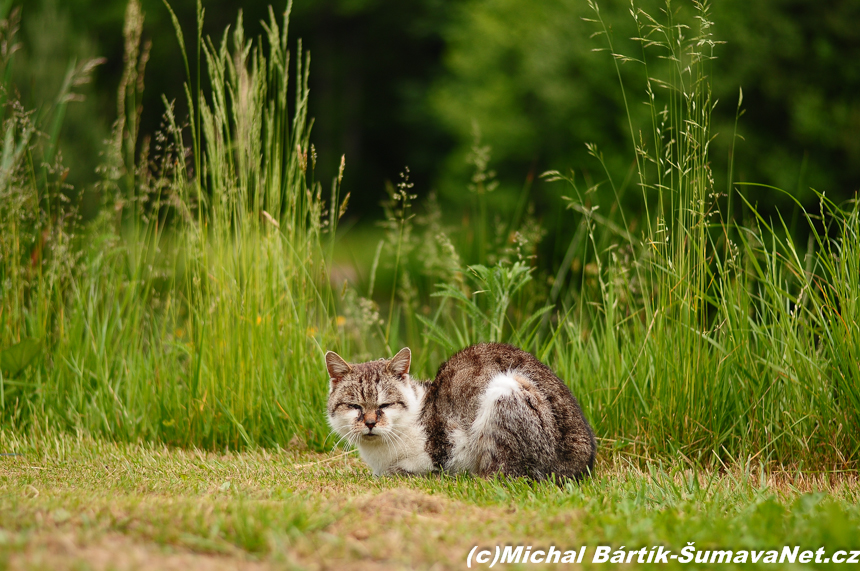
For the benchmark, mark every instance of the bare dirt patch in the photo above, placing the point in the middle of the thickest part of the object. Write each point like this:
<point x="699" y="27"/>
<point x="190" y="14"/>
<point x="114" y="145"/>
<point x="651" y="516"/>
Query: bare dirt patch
<point x="399" y="528"/>
<point x="116" y="552"/>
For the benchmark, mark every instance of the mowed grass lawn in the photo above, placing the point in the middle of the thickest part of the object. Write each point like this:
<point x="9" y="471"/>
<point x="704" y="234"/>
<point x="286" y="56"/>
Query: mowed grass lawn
<point x="78" y="503"/>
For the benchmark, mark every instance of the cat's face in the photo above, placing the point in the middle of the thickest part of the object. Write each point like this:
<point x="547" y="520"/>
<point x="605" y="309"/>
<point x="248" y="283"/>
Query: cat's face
<point x="366" y="400"/>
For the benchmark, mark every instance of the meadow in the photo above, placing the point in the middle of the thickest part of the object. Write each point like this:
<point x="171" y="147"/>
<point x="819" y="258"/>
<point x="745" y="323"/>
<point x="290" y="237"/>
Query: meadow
<point x="72" y="502"/>
<point x="163" y="388"/>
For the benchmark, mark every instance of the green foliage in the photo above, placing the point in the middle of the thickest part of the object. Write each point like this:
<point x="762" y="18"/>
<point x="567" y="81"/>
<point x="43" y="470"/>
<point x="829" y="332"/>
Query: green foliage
<point x="52" y="71"/>
<point x="531" y="78"/>
<point x="471" y="321"/>
<point x="195" y="309"/>
<point x="15" y="359"/>
<point x="527" y="74"/>
<point x="710" y="338"/>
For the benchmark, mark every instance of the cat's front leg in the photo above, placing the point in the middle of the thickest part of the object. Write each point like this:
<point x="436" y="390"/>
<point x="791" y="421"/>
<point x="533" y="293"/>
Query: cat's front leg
<point x="398" y="471"/>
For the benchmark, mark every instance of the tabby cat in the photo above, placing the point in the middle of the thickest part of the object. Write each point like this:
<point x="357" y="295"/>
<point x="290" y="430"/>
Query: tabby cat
<point x="492" y="408"/>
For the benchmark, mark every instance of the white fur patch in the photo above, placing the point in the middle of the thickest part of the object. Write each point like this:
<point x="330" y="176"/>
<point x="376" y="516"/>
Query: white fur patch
<point x="471" y="447"/>
<point x="502" y="385"/>
<point x="398" y="445"/>
<point x="462" y="456"/>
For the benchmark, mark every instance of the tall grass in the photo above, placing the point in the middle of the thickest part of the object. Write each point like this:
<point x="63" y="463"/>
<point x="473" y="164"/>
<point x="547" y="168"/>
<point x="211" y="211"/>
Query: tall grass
<point x="707" y="337"/>
<point x="699" y="335"/>
<point x="195" y="310"/>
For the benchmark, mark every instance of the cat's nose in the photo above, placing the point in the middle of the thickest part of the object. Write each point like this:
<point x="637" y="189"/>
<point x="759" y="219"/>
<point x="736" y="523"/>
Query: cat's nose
<point x="370" y="419"/>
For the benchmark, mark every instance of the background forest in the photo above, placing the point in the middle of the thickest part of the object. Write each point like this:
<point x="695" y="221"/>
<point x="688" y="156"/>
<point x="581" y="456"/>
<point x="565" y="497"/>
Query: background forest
<point x="397" y="84"/>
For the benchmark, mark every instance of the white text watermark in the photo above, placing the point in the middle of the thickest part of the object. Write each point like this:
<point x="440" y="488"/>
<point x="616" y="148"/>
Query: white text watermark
<point x="506" y="554"/>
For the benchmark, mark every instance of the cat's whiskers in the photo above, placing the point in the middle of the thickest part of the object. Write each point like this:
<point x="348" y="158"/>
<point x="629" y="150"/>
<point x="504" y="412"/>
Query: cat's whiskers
<point x="339" y="440"/>
<point x="387" y="437"/>
<point x="393" y="437"/>
<point x="342" y="439"/>
<point x="353" y="438"/>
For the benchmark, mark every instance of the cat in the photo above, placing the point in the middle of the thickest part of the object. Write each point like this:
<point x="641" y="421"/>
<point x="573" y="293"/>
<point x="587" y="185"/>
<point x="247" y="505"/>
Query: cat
<point x="493" y="408"/>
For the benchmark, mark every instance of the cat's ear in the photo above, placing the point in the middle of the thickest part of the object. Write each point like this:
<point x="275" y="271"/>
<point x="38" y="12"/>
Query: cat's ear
<point x="399" y="364"/>
<point x="337" y="367"/>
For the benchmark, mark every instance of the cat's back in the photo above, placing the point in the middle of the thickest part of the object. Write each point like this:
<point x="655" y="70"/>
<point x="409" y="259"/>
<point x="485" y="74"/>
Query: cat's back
<point x="465" y="376"/>
<point x="459" y="393"/>
<point x="462" y="380"/>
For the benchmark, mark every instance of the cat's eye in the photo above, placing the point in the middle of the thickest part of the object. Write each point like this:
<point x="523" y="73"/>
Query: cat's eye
<point x="354" y="406"/>
<point x="386" y="405"/>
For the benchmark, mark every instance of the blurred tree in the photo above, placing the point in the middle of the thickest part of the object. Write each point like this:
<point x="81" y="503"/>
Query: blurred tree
<point x="526" y="74"/>
<point x="401" y="83"/>
<point x="528" y="78"/>
<point x="371" y="63"/>
<point x="52" y="48"/>
<point x="796" y="61"/>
